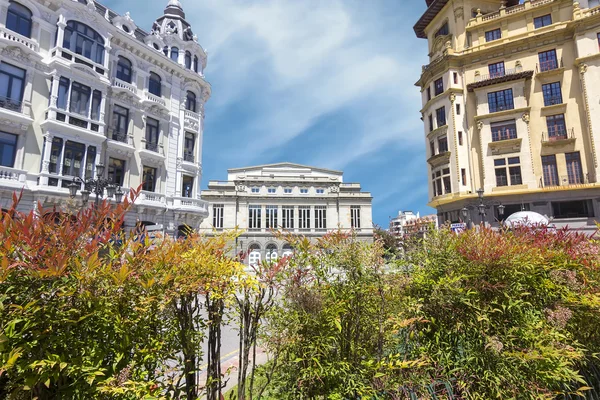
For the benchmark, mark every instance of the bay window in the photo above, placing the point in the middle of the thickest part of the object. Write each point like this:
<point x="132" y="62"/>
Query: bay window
<point x="83" y="40"/>
<point x="19" y="19"/>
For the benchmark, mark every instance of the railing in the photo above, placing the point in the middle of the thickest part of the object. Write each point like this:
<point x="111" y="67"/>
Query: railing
<point x="119" y="136"/>
<point x="11" y="174"/>
<point x="192" y="114"/>
<point x="490" y="16"/>
<point x="153" y="197"/>
<point x="189" y="157"/>
<point x="152" y="146"/>
<point x="566" y="180"/>
<point x="558" y="134"/>
<point x="11" y="104"/>
<point x="156" y="99"/>
<point x="501" y="180"/>
<point x="79" y="59"/>
<point x="191" y="202"/>
<point x="552" y="100"/>
<point x="535" y="3"/>
<point x="549" y="65"/>
<point x="118" y="83"/>
<point x="504" y="134"/>
<point x="515" y="9"/>
<point x="498" y="74"/>
<point x="9" y="35"/>
<point x="80" y="121"/>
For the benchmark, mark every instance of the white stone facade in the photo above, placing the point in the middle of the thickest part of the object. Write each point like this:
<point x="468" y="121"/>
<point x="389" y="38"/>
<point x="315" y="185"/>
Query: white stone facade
<point x="299" y="199"/>
<point x="81" y="86"/>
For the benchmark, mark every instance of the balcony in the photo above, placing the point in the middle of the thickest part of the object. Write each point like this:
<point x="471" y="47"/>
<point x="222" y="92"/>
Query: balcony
<point x="13" y="38"/>
<point x="565" y="182"/>
<point x="495" y="78"/>
<point x="154" y="100"/>
<point x="152" y="198"/>
<point x="192" y="121"/>
<point x="75" y="125"/>
<point x="439" y="159"/>
<point x="152" y="146"/>
<point x="12" y="177"/>
<point x="558" y="136"/>
<point x="548" y="67"/>
<point x="188" y="157"/>
<point x="77" y="61"/>
<point x="11" y="104"/>
<point x="120" y="143"/>
<point x="190" y="204"/>
<point x="152" y="152"/>
<point x="121" y="86"/>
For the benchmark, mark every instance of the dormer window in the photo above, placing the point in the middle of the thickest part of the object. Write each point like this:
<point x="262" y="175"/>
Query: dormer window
<point x="18" y="19"/>
<point x="174" y="54"/>
<point x="155" y="84"/>
<point x="156" y="46"/>
<point x="124" y="69"/>
<point x="190" y="102"/>
<point x="188" y="60"/>
<point x="444" y="30"/>
<point x="125" y="28"/>
<point x="83" y="40"/>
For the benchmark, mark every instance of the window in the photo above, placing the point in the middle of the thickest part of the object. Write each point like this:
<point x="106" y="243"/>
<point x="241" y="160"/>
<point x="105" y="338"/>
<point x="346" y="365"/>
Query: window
<point x="496" y="70"/>
<point x="493" y="35"/>
<point x="195" y="63"/>
<point x="455" y="77"/>
<point x="190" y="101"/>
<point x="254" y="217"/>
<point x="149" y="177"/>
<point x="83" y="40"/>
<point x="556" y="126"/>
<point x="12" y="84"/>
<point x="8" y="149"/>
<point x="303" y="191"/>
<point x="272" y="217"/>
<point x="320" y="217"/>
<point x="287" y="221"/>
<point x="116" y="171"/>
<point x="254" y="190"/>
<point x="432" y="147"/>
<point x="188" y="147"/>
<point x="271" y="190"/>
<point x="271" y="253"/>
<point x="304" y="217"/>
<point x="463" y="176"/>
<point x="174" y="54"/>
<point x="166" y="51"/>
<point x="574" y="171"/>
<point x="572" y="209"/>
<point x="254" y="255"/>
<point x="504" y="130"/>
<point x="548" y="60"/>
<point x="96" y="105"/>
<point x="55" y="153"/>
<point x="444" y="30"/>
<point x="218" y="215"/>
<point x="441" y="182"/>
<point x="187" y="186"/>
<point x="431" y="122"/>
<point x="73" y="158"/>
<point x="63" y="93"/>
<point x="513" y="171"/>
<point x="542" y="21"/>
<point x="124" y="69"/>
<point x="440" y="114"/>
<point x="501" y="100"/>
<point x="188" y="60"/>
<point x="457" y="109"/>
<point x="287" y="190"/>
<point x="19" y="19"/>
<point x="549" y="170"/>
<point x="155" y="84"/>
<point x="287" y="250"/>
<point x="443" y="144"/>
<point x="355" y="217"/>
<point x="320" y="191"/>
<point x="439" y="86"/>
<point x="125" y="28"/>
<point x="90" y="162"/>
<point x="428" y="92"/>
<point x="552" y="93"/>
<point x="152" y="134"/>
<point x="460" y="138"/>
<point x="80" y="99"/>
<point x="120" y="123"/>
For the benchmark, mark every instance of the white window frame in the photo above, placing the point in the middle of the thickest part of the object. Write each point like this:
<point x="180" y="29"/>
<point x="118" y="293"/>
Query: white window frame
<point x="287" y="191"/>
<point x="321" y="217"/>
<point x="271" y="254"/>
<point x="218" y="215"/>
<point x="303" y="191"/>
<point x="272" y="190"/>
<point x="254" y="257"/>
<point x="304" y="217"/>
<point x="287" y="217"/>
<point x="355" y="217"/>
<point x="271" y="217"/>
<point x="255" y="190"/>
<point x="254" y="217"/>
<point x="320" y="191"/>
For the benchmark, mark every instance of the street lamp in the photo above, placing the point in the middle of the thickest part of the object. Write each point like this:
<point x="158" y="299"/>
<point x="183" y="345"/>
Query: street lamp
<point x="97" y="187"/>
<point x="481" y="206"/>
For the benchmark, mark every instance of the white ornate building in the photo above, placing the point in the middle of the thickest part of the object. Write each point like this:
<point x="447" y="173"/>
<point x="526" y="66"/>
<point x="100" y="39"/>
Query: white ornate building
<point x="295" y="198"/>
<point x="81" y="86"/>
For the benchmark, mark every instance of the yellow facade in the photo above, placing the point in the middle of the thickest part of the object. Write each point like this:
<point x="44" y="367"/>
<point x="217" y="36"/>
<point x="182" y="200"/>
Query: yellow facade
<point x="520" y="96"/>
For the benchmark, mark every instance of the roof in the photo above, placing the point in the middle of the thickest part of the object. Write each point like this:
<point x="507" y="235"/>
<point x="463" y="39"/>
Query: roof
<point x="500" y="79"/>
<point x="432" y="10"/>
<point x="284" y="165"/>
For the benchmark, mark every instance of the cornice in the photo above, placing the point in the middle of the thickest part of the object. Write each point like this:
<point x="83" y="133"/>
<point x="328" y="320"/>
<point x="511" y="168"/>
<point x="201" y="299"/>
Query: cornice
<point x="502" y="113"/>
<point x="447" y="92"/>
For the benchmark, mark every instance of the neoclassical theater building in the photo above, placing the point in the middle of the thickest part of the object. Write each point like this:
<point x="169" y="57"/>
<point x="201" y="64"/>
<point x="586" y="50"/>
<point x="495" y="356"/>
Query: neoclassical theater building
<point x="81" y="86"/>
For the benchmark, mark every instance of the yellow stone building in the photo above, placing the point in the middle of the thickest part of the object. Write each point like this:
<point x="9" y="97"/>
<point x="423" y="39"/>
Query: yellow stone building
<point x="511" y="105"/>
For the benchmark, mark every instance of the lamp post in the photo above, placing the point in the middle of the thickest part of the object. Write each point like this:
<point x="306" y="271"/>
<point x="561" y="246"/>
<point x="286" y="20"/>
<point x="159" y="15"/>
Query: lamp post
<point x="97" y="187"/>
<point x="481" y="206"/>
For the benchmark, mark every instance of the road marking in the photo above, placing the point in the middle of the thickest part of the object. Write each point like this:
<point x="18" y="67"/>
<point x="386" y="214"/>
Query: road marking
<point x="226" y="356"/>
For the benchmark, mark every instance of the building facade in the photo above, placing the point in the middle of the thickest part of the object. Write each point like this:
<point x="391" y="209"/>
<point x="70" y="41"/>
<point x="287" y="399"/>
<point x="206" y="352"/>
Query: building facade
<point x="81" y="86"/>
<point x="295" y="198"/>
<point x="511" y="105"/>
<point x="407" y="223"/>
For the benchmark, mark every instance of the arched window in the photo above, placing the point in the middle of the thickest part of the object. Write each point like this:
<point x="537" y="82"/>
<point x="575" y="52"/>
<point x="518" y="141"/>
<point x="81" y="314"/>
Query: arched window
<point x="190" y="102"/>
<point x="271" y="254"/>
<point x="174" y="54"/>
<point x="124" y="69"/>
<point x="287" y="250"/>
<point x="83" y="40"/>
<point x="254" y="255"/>
<point x="188" y="60"/>
<point x="155" y="84"/>
<point x="18" y="19"/>
<point x="195" y="63"/>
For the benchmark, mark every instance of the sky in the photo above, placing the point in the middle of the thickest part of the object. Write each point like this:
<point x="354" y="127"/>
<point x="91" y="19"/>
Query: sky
<point x="325" y="83"/>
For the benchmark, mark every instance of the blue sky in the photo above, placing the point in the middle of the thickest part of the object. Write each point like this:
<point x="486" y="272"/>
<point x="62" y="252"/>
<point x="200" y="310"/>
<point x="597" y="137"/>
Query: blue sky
<point x="328" y="83"/>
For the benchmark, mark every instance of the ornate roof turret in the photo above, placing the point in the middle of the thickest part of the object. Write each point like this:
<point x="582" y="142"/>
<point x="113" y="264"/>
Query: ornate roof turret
<point x="173" y="24"/>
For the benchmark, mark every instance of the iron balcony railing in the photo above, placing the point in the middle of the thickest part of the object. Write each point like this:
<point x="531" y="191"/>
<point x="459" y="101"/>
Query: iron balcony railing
<point x="119" y="136"/>
<point x="152" y="146"/>
<point x="189" y="157"/>
<point x="498" y="74"/>
<point x="549" y="65"/>
<point x="553" y="180"/>
<point x="504" y="134"/>
<point x="558" y="133"/>
<point x="552" y="100"/>
<point x="11" y="104"/>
